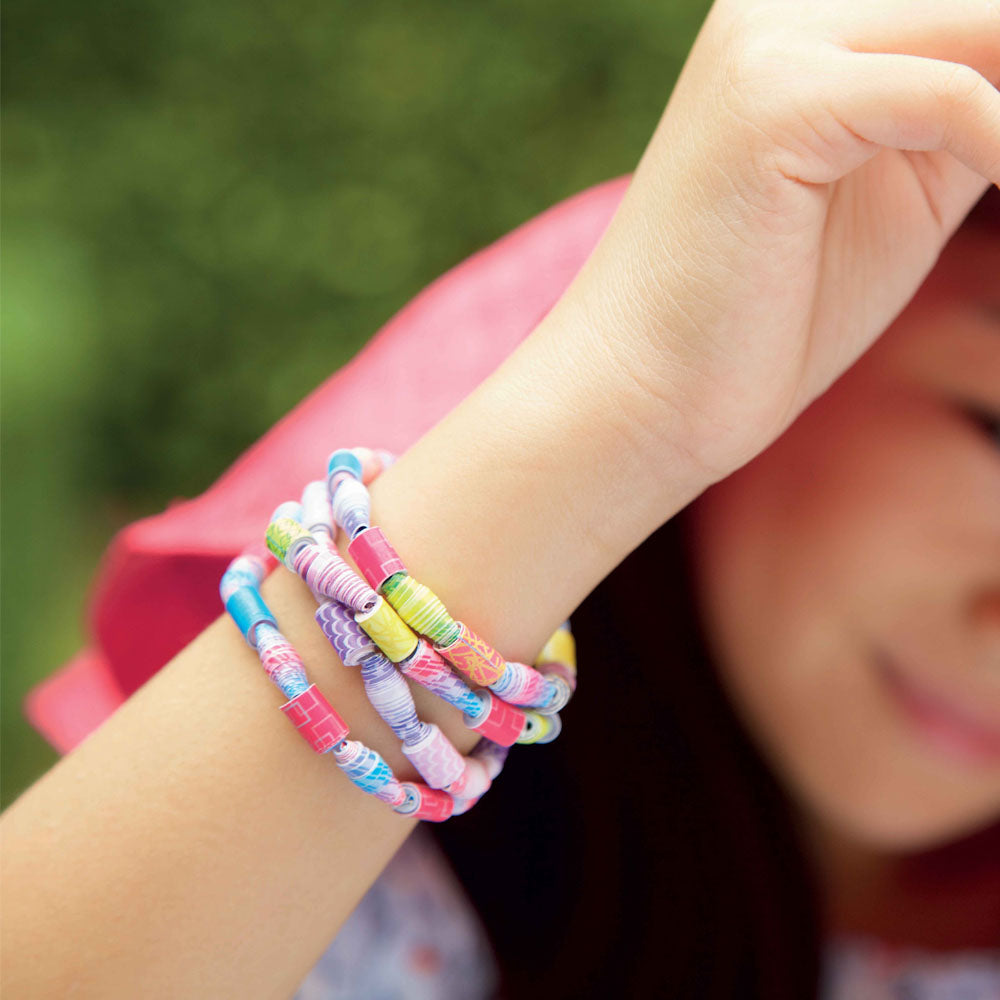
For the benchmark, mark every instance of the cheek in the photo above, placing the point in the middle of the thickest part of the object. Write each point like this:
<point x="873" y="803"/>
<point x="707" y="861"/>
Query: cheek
<point x="802" y="560"/>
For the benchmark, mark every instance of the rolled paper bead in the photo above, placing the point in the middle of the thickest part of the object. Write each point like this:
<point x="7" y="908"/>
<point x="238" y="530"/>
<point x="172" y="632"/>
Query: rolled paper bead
<point x="325" y="572"/>
<point x="390" y="697"/>
<point x="491" y="755"/>
<point x="244" y="571"/>
<point x="349" y="640"/>
<point x="371" y="463"/>
<point x="280" y="661"/>
<point x="560" y="648"/>
<point x="390" y="632"/>
<point x="317" y="515"/>
<point x="365" y="767"/>
<point x="392" y="793"/>
<point x="316" y="719"/>
<point x="461" y="805"/>
<point x="247" y="608"/>
<point x="431" y="803"/>
<point x="285" y="536"/>
<point x="291" y="509"/>
<point x="498" y="721"/>
<point x="376" y="559"/>
<point x="344" y="461"/>
<point x="523" y="685"/>
<point x="429" y="670"/>
<point x="351" y="506"/>
<point x="473" y="782"/>
<point x="474" y="656"/>
<point x="563" y="693"/>
<point x="420" y="608"/>
<point x="259" y="556"/>
<point x="540" y="728"/>
<point x="433" y="755"/>
<point x="555" y="670"/>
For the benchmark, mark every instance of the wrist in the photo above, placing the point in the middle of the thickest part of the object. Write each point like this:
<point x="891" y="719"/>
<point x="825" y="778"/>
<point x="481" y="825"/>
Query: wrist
<point x="524" y="497"/>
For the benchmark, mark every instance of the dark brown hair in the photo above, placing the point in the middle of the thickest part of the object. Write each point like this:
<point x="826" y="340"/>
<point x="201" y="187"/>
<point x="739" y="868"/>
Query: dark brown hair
<point x="648" y="851"/>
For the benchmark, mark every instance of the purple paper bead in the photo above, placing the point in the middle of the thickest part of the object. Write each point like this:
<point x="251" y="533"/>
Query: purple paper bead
<point x="350" y="641"/>
<point x="390" y="696"/>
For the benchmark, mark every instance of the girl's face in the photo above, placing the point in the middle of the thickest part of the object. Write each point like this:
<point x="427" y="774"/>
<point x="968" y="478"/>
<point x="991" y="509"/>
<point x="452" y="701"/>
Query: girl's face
<point x="850" y="575"/>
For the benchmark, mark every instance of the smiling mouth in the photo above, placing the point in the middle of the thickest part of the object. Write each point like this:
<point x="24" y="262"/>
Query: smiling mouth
<point x="947" y="727"/>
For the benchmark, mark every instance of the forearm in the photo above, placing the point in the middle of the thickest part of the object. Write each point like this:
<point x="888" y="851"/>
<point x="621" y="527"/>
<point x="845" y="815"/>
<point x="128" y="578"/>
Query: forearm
<point x="193" y="845"/>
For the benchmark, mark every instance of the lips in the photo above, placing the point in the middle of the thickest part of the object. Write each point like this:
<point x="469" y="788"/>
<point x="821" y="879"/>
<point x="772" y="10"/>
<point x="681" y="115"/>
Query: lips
<point x="954" y="729"/>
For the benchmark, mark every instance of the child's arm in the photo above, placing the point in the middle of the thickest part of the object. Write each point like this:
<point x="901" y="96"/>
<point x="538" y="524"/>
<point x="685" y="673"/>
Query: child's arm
<point x="191" y="846"/>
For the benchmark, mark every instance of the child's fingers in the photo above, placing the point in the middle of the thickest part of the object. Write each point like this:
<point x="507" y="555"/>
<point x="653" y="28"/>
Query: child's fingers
<point x="907" y="102"/>
<point x="966" y="31"/>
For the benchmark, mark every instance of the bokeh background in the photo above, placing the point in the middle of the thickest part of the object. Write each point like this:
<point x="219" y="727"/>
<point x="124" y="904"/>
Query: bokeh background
<point x="208" y="208"/>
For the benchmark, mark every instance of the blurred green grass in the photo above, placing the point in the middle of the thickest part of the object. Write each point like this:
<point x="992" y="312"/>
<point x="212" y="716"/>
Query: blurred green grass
<point x="209" y="208"/>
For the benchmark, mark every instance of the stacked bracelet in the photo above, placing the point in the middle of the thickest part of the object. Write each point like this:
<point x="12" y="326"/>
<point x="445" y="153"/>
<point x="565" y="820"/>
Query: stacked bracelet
<point x="392" y="627"/>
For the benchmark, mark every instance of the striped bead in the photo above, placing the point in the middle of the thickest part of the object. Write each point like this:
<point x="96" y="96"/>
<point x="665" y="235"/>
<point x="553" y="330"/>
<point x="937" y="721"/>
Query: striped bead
<point x="326" y="573"/>
<point x="390" y="696"/>
<point x="421" y="609"/>
<point x="365" y="767"/>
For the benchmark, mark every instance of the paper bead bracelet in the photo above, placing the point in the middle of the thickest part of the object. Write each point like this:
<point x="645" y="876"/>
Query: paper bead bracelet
<point x="374" y="623"/>
<point x="320" y="724"/>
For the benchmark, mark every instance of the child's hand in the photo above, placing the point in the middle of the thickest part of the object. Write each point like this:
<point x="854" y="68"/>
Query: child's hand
<point x="813" y="159"/>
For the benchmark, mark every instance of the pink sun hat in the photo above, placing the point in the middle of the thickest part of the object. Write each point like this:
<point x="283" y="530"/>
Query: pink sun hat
<point x="157" y="587"/>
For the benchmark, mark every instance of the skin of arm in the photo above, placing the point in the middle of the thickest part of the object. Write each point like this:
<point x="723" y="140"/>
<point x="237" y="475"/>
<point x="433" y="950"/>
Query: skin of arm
<point x="194" y="845"/>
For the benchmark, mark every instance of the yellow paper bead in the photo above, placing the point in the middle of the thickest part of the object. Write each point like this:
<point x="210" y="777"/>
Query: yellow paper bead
<point x="420" y="608"/>
<point x="561" y="648"/>
<point x="391" y="634"/>
<point x="539" y="728"/>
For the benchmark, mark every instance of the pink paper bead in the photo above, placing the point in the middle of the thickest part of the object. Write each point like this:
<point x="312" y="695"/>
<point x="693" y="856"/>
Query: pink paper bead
<point x="492" y="756"/>
<point x="432" y="803"/>
<point x="474" y="656"/>
<point x="326" y="573"/>
<point x="472" y="782"/>
<point x="371" y="463"/>
<point x="438" y="762"/>
<point x="502" y="723"/>
<point x="315" y="719"/>
<point x="375" y="557"/>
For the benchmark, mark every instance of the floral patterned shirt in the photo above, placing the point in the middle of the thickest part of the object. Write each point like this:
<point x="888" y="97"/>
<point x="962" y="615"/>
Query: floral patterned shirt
<point x="415" y="936"/>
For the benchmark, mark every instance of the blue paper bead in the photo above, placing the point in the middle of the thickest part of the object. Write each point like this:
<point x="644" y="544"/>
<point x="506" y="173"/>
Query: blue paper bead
<point x="344" y="460"/>
<point x="248" y="610"/>
<point x="290" y="508"/>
